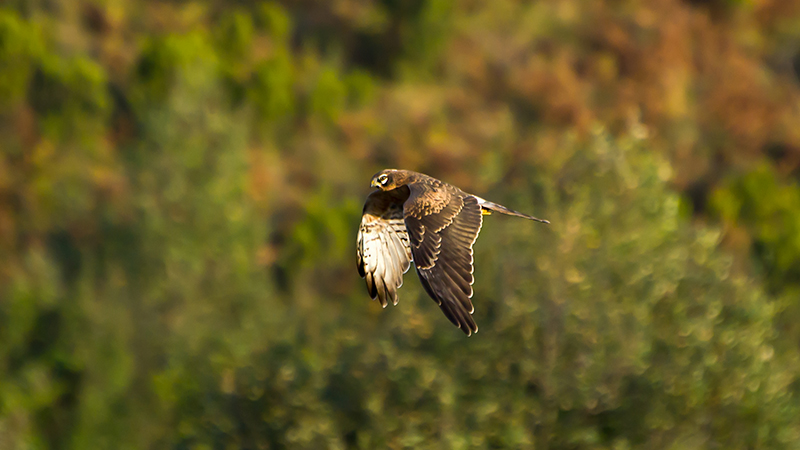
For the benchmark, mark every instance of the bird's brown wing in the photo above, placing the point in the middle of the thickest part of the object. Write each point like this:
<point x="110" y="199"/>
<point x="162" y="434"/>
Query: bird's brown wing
<point x="383" y="251"/>
<point x="442" y="229"/>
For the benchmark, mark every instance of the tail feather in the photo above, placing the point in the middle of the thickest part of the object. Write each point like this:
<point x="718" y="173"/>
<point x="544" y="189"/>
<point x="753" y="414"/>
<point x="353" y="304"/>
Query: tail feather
<point x="489" y="206"/>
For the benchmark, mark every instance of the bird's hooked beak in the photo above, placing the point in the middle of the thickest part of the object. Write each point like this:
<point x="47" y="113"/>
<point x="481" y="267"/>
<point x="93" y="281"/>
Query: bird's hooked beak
<point x="374" y="183"/>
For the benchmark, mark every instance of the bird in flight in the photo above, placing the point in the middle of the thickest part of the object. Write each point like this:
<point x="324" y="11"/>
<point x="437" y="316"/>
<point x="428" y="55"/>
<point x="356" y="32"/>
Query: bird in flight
<point x="414" y="217"/>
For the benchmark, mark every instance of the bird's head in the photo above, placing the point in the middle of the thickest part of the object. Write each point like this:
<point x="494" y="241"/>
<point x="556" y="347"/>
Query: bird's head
<point x="385" y="180"/>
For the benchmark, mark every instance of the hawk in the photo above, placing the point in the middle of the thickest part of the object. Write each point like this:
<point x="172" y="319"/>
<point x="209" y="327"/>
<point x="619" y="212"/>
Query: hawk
<point x="414" y="217"/>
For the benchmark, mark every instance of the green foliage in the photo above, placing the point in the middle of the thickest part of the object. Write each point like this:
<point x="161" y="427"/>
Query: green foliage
<point x="19" y="45"/>
<point x="328" y="95"/>
<point x="770" y="209"/>
<point x="180" y="185"/>
<point x="625" y="308"/>
<point x="173" y="59"/>
<point x="274" y="20"/>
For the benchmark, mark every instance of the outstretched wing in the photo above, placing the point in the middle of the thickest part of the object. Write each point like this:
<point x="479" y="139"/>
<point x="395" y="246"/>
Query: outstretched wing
<point x="383" y="251"/>
<point x="441" y="243"/>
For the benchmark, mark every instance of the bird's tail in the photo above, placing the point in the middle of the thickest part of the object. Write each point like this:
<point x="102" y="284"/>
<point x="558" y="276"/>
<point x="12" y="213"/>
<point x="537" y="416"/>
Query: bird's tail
<point x="489" y="207"/>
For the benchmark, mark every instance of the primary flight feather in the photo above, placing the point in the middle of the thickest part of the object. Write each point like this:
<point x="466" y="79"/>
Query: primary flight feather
<point x="414" y="217"/>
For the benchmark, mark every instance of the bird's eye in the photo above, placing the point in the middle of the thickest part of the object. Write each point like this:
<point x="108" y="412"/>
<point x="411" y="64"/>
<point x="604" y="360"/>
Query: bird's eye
<point x="383" y="179"/>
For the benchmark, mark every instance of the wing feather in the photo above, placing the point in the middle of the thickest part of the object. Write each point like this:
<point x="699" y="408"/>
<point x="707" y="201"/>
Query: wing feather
<point x="382" y="244"/>
<point x="441" y="245"/>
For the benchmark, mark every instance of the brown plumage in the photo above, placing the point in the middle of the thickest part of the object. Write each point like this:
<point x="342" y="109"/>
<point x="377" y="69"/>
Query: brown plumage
<point x="414" y="217"/>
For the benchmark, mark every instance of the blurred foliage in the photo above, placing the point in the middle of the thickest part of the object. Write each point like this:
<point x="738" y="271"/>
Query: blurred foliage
<point x="180" y="185"/>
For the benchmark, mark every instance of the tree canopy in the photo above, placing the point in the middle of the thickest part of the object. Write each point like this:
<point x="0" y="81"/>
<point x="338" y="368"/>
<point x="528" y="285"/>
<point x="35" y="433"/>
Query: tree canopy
<point x="181" y="184"/>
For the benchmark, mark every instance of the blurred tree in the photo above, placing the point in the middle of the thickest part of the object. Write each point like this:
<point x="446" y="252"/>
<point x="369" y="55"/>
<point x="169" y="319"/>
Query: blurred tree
<point x="180" y="184"/>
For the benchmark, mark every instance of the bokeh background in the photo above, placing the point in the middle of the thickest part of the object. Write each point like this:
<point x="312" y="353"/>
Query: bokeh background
<point x="181" y="184"/>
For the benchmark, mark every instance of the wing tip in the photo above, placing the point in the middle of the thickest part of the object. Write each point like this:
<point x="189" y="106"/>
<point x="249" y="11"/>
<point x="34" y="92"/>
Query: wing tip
<point x="469" y="330"/>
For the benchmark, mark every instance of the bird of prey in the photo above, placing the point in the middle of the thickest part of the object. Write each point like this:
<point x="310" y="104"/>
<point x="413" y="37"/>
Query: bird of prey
<point x="414" y="217"/>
